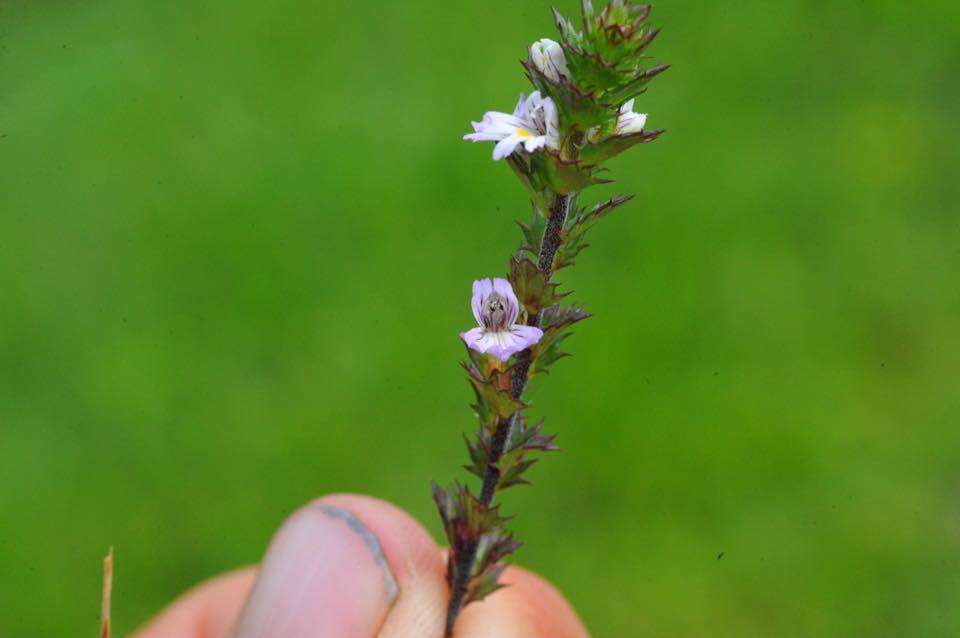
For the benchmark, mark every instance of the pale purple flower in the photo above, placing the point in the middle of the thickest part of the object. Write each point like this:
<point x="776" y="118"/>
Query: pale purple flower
<point x="548" y="57"/>
<point x="496" y="308"/>
<point x="629" y="122"/>
<point x="534" y="124"/>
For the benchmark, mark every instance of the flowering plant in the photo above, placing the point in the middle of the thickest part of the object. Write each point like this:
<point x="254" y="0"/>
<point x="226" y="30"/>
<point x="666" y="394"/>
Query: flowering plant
<point x="556" y="140"/>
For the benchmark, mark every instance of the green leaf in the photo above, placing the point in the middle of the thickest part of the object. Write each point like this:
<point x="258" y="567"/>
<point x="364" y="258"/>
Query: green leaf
<point x="549" y="356"/>
<point x="565" y="176"/>
<point x="576" y="107"/>
<point x="533" y="232"/>
<point x="555" y="322"/>
<point x="484" y="584"/>
<point x="492" y="402"/>
<point x="479" y="455"/>
<point x="607" y="58"/>
<point x="635" y="85"/>
<point x="593" y="154"/>
<point x="531" y="286"/>
<point x="532" y="179"/>
<point x="578" y="225"/>
<point x="531" y="438"/>
<point x="584" y="219"/>
<point x="514" y="474"/>
<point x="492" y="547"/>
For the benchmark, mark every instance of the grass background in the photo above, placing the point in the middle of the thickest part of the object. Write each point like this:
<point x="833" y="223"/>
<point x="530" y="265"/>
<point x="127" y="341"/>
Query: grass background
<point x="236" y="246"/>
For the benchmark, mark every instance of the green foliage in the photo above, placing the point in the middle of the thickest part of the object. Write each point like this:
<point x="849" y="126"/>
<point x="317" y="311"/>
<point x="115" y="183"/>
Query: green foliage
<point x="577" y="108"/>
<point x="577" y="226"/>
<point x="607" y="58"/>
<point x="533" y="289"/>
<point x="555" y="322"/>
<point x="491" y="387"/>
<point x="594" y="153"/>
<point x="530" y="438"/>
<point x="532" y="233"/>
<point x="476" y="530"/>
<point x="546" y="173"/>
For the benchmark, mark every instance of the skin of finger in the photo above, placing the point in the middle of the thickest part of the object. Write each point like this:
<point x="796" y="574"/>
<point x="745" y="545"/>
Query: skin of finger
<point x="206" y="611"/>
<point x="324" y="574"/>
<point x="412" y="555"/>
<point x="415" y="560"/>
<point x="528" y="607"/>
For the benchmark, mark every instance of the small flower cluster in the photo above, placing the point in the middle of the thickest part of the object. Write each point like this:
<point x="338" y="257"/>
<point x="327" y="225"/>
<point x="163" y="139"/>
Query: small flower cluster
<point x="580" y="115"/>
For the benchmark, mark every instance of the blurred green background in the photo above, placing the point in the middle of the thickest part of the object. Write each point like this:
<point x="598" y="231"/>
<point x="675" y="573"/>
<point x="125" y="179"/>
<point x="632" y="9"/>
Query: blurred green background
<point x="236" y="247"/>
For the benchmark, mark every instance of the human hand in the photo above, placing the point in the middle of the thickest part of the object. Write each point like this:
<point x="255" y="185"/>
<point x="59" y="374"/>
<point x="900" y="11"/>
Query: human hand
<point x="350" y="566"/>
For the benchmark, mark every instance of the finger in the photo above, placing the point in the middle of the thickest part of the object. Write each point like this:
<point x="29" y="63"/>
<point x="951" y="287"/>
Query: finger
<point x="414" y="558"/>
<point x="529" y="607"/>
<point x="324" y="574"/>
<point x="207" y="611"/>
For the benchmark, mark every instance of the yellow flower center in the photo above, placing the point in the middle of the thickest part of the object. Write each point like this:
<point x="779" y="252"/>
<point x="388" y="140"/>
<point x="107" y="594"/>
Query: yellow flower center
<point x="524" y="133"/>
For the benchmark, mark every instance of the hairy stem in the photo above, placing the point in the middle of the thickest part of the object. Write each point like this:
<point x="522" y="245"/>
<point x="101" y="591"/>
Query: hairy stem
<point x="549" y="244"/>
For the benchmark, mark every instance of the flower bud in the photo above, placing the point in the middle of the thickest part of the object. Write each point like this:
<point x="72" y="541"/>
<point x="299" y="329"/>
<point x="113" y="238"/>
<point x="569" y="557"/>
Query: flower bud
<point x="547" y="56"/>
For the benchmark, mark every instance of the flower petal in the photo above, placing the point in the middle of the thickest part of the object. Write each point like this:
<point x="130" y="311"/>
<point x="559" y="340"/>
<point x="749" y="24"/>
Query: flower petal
<point x="501" y="345"/>
<point x="533" y="143"/>
<point x="474" y="339"/>
<point x="506" y="146"/>
<point x="505" y="290"/>
<point x="520" y="109"/>
<point x="481" y="290"/>
<point x="504" y="345"/>
<point x="526" y="336"/>
<point x="551" y="119"/>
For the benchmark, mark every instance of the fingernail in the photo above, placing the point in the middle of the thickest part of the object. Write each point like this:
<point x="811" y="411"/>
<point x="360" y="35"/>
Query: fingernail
<point x="372" y="543"/>
<point x="325" y="574"/>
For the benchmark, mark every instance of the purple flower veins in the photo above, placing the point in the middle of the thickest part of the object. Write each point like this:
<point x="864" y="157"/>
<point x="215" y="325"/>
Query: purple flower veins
<point x="495" y="307"/>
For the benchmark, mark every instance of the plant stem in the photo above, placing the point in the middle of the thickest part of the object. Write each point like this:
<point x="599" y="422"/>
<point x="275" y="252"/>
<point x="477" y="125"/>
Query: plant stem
<point x="549" y="244"/>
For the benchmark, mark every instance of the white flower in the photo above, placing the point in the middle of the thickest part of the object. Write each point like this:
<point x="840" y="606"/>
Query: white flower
<point x="629" y="122"/>
<point x="496" y="308"/>
<point x="533" y="124"/>
<point x="549" y="59"/>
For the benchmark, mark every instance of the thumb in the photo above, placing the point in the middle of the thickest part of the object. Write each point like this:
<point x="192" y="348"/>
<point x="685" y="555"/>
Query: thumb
<point x="324" y="574"/>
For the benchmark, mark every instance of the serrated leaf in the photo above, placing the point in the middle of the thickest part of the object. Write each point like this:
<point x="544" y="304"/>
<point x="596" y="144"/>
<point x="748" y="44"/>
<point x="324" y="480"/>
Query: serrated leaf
<point x="493" y="547"/>
<point x="577" y="227"/>
<point x="584" y="219"/>
<point x="593" y="154"/>
<point x="565" y="176"/>
<point x="554" y="322"/>
<point x="530" y="284"/>
<point x="484" y="585"/>
<point x="606" y="59"/>
<point x="492" y="402"/>
<point x="636" y="85"/>
<point x="559" y="317"/>
<point x="465" y="518"/>
<point x="531" y="178"/>
<point x="479" y="455"/>
<point x="531" y="438"/>
<point x="514" y="475"/>
<point x="549" y="356"/>
<point x="532" y="232"/>
<point x="576" y="107"/>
